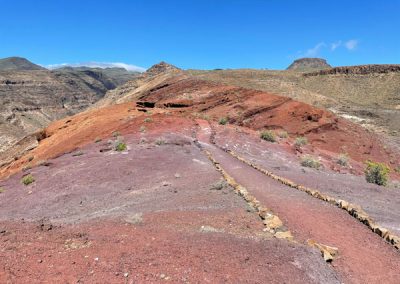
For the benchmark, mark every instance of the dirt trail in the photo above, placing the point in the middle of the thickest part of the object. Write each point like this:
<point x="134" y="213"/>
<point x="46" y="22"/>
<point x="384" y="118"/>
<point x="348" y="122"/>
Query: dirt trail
<point x="363" y="256"/>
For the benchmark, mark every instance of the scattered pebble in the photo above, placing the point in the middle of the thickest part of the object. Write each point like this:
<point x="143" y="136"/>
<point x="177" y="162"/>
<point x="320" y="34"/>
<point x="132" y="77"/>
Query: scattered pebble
<point x="126" y="274"/>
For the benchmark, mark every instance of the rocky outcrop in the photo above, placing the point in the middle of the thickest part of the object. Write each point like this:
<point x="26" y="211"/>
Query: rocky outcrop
<point x="358" y="70"/>
<point x="309" y="64"/>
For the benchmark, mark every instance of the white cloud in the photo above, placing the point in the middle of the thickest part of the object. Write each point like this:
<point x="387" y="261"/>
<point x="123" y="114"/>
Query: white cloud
<point x="351" y="44"/>
<point x="335" y="45"/>
<point x="103" y="65"/>
<point x="312" y="52"/>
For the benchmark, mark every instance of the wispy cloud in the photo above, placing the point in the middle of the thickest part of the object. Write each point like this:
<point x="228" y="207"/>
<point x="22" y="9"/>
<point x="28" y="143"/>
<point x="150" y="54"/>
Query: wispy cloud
<point x="351" y="44"/>
<point x="320" y="47"/>
<point x="312" y="52"/>
<point x="103" y="65"/>
<point x="335" y="45"/>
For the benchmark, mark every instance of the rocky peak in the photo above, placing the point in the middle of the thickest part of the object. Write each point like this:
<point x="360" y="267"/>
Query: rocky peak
<point x="309" y="64"/>
<point x="161" y="68"/>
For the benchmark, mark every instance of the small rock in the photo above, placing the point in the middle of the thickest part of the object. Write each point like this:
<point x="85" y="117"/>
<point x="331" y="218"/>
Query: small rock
<point x="126" y="274"/>
<point x="162" y="275"/>
<point x="96" y="259"/>
<point x="40" y="261"/>
<point x="177" y="175"/>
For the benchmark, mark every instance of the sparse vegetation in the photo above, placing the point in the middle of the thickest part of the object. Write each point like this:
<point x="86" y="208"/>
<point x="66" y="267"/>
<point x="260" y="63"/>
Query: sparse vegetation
<point x="310" y="162"/>
<point x="283" y="134"/>
<point x="377" y="173"/>
<point x="78" y="153"/>
<point x="219" y="185"/>
<point x="343" y="160"/>
<point x="97" y="140"/>
<point x="301" y="141"/>
<point x="2" y="190"/>
<point x="116" y="134"/>
<point x="268" y="135"/>
<point x="148" y="119"/>
<point x="223" y="120"/>
<point x="30" y="159"/>
<point x="28" y="179"/>
<point x="397" y="169"/>
<point x="120" y="146"/>
<point x="160" y="141"/>
<point x="142" y="128"/>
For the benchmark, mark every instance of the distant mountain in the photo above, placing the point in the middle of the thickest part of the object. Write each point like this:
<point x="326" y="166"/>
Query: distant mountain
<point x="18" y="64"/>
<point x="309" y="64"/>
<point x="31" y="96"/>
<point x="118" y="76"/>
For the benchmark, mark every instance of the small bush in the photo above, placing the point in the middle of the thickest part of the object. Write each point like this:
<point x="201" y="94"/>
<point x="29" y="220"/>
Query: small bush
<point x="377" y="173"/>
<point x="120" y="146"/>
<point x="343" y="160"/>
<point x="2" y="190"/>
<point x="223" y="121"/>
<point x="397" y="170"/>
<point x="160" y="141"/>
<point x="97" y="140"/>
<point x="78" y="153"/>
<point x="283" y="134"/>
<point x="30" y="159"/>
<point x="310" y="162"/>
<point x="116" y="134"/>
<point x="268" y="135"/>
<point x="148" y="119"/>
<point x="142" y="128"/>
<point x="301" y="141"/>
<point x="28" y="179"/>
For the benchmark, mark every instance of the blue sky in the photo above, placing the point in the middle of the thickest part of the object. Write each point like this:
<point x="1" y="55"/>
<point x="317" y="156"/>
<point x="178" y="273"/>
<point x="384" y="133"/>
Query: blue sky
<point x="201" y="34"/>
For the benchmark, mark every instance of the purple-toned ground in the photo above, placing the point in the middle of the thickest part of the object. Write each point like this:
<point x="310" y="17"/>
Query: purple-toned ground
<point x="154" y="213"/>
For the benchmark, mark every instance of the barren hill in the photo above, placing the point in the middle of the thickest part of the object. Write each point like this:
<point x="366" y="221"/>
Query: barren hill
<point x="18" y="64"/>
<point x="160" y="188"/>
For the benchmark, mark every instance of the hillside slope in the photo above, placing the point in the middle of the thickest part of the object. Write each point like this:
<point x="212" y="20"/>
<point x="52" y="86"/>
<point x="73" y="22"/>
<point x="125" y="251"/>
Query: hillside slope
<point x="31" y="99"/>
<point x="155" y="189"/>
<point x="371" y="100"/>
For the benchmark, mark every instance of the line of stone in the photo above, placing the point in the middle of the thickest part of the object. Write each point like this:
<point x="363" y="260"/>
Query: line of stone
<point x="273" y="223"/>
<point x="353" y="209"/>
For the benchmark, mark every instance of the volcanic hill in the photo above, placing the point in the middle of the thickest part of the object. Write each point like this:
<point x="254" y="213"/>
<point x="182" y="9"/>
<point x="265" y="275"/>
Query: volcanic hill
<point x="309" y="64"/>
<point x="166" y="179"/>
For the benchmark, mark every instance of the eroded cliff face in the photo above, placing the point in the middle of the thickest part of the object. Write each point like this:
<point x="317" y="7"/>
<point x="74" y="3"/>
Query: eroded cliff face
<point x="31" y="99"/>
<point x="358" y="70"/>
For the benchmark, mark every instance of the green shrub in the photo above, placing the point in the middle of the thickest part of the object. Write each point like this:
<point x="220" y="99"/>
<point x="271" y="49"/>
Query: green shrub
<point x="310" y="162"/>
<point x="97" y="140"/>
<point x="116" y="134"/>
<point x="2" y="190"/>
<point x="160" y="141"/>
<point x="397" y="169"/>
<point x="148" y="119"/>
<point x="142" y="128"/>
<point x="301" y="141"/>
<point x="120" y="146"/>
<point x="283" y="134"/>
<point x="343" y="159"/>
<point x="223" y="121"/>
<point x="28" y="179"/>
<point x="268" y="135"/>
<point x="377" y="173"/>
